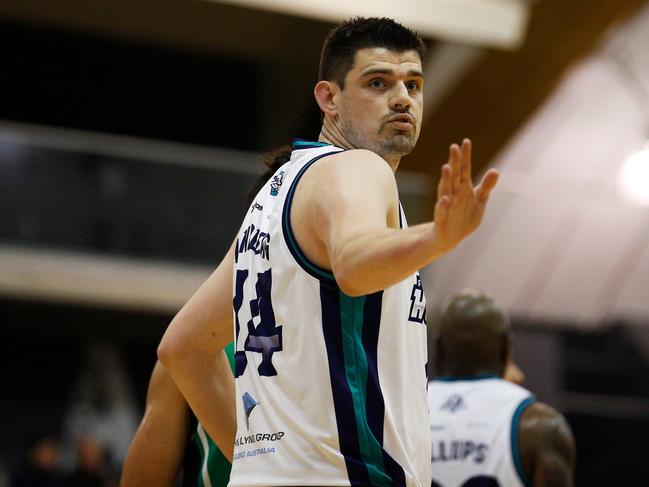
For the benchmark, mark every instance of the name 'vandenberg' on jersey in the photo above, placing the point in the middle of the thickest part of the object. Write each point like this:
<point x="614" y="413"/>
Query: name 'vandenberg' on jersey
<point x="331" y="389"/>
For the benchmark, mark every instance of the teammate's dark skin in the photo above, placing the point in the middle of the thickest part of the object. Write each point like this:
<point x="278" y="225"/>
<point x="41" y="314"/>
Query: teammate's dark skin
<point x="475" y="339"/>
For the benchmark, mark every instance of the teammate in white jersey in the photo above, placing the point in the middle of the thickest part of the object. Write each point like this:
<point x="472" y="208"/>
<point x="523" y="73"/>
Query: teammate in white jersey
<point x="487" y="431"/>
<point x="329" y="313"/>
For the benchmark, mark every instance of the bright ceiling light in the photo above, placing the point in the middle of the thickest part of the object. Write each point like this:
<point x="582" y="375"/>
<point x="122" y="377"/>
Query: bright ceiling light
<point x="484" y="23"/>
<point x="633" y="180"/>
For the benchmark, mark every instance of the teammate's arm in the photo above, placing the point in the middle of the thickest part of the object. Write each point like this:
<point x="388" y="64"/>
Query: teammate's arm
<point x="350" y="204"/>
<point x="156" y="453"/>
<point x="547" y="447"/>
<point x="197" y="335"/>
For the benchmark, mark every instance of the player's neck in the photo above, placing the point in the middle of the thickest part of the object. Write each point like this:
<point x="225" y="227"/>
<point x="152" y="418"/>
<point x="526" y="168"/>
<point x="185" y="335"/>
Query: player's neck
<point x="336" y="137"/>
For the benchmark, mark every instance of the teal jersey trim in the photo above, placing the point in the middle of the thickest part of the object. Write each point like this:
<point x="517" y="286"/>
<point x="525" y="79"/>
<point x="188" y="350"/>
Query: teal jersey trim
<point x="356" y="372"/>
<point x="295" y="250"/>
<point x="516" y="453"/>
<point x="298" y="144"/>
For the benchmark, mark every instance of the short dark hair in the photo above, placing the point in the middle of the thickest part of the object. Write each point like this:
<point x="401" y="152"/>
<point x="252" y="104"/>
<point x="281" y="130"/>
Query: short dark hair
<point x="341" y="44"/>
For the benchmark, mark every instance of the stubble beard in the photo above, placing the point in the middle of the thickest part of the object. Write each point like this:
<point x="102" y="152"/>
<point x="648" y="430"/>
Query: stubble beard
<point x="399" y="144"/>
<point x="386" y="145"/>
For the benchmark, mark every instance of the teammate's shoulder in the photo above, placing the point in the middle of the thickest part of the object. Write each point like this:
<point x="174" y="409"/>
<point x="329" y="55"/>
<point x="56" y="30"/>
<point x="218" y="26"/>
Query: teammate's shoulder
<point x="547" y="445"/>
<point x="544" y="425"/>
<point x="539" y="411"/>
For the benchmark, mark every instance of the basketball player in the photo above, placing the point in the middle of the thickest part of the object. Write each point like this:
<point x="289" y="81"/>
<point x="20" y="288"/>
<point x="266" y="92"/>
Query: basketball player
<point x="329" y="310"/>
<point x="486" y="430"/>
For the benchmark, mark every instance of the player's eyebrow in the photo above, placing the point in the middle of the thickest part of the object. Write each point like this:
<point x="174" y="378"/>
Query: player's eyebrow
<point x="415" y="73"/>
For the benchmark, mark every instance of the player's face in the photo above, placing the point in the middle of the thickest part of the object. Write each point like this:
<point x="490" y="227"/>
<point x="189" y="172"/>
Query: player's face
<point x="382" y="101"/>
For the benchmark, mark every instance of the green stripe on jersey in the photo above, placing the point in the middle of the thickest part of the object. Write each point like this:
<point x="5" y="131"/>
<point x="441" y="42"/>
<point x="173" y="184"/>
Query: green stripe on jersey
<point x="215" y="468"/>
<point x="229" y="352"/>
<point x="356" y="371"/>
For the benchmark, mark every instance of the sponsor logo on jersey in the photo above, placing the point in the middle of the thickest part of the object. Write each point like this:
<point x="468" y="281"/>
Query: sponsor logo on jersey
<point x="276" y="183"/>
<point x="248" y="440"/>
<point x="258" y="437"/>
<point x="253" y="453"/>
<point x="417" y="303"/>
<point x="249" y="404"/>
<point x="454" y="403"/>
<point x="256" y="206"/>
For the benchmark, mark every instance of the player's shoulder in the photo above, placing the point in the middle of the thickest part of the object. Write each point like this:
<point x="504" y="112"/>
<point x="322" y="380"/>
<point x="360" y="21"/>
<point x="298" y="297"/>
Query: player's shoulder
<point x="355" y="160"/>
<point x="359" y="168"/>
<point x="544" y="429"/>
<point x="540" y="416"/>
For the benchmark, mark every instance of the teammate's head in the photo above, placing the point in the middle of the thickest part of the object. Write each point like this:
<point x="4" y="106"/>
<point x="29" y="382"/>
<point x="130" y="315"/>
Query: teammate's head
<point x="474" y="336"/>
<point x="370" y="85"/>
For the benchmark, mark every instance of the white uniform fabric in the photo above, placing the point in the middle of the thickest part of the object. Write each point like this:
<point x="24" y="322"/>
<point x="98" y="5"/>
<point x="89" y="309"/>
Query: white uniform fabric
<point x="474" y="431"/>
<point x="331" y="390"/>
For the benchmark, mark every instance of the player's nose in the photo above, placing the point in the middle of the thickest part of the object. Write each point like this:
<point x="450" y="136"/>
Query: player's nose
<point x="400" y="97"/>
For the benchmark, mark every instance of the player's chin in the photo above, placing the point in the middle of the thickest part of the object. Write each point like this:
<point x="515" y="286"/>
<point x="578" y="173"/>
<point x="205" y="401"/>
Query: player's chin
<point x="400" y="143"/>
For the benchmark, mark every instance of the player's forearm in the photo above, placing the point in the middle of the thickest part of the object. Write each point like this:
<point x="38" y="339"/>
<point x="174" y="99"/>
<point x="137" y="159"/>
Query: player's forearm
<point x="377" y="259"/>
<point x="155" y="455"/>
<point x="208" y="386"/>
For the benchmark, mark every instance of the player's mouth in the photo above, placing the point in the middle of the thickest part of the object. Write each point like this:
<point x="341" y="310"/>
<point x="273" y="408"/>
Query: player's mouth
<point x="402" y="121"/>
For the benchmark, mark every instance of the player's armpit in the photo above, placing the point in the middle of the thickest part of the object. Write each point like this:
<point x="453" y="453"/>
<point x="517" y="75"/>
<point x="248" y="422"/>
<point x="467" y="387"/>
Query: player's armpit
<point x="547" y="447"/>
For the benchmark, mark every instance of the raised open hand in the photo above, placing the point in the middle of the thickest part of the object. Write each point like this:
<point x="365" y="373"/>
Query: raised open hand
<point x="460" y="206"/>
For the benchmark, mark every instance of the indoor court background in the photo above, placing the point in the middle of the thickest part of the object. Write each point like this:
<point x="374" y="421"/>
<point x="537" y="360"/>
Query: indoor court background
<point x="130" y="132"/>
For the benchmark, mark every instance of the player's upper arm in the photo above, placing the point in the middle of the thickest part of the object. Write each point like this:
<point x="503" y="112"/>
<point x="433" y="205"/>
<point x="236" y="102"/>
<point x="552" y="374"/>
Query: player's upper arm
<point x="205" y="321"/>
<point x="547" y="447"/>
<point x="348" y="193"/>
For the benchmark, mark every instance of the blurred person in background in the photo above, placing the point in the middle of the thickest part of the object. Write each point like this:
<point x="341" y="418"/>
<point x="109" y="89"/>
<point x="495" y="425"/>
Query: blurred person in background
<point x="487" y="430"/>
<point x="41" y="464"/>
<point x="90" y="470"/>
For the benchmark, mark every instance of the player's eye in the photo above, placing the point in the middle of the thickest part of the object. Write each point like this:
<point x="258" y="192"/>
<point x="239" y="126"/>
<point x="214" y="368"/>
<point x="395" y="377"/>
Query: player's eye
<point x="412" y="86"/>
<point x="377" y="83"/>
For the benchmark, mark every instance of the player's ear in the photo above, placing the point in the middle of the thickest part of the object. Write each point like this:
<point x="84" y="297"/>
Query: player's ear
<point x="325" y="95"/>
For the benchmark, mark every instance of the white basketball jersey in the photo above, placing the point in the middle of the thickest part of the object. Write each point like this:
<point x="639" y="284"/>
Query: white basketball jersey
<point x="474" y="431"/>
<point x="331" y="389"/>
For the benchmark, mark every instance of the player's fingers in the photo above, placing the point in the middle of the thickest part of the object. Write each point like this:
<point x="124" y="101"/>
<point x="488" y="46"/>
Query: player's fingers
<point x="466" y="161"/>
<point x="444" y="186"/>
<point x="455" y="160"/>
<point x="441" y="210"/>
<point x="488" y="183"/>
